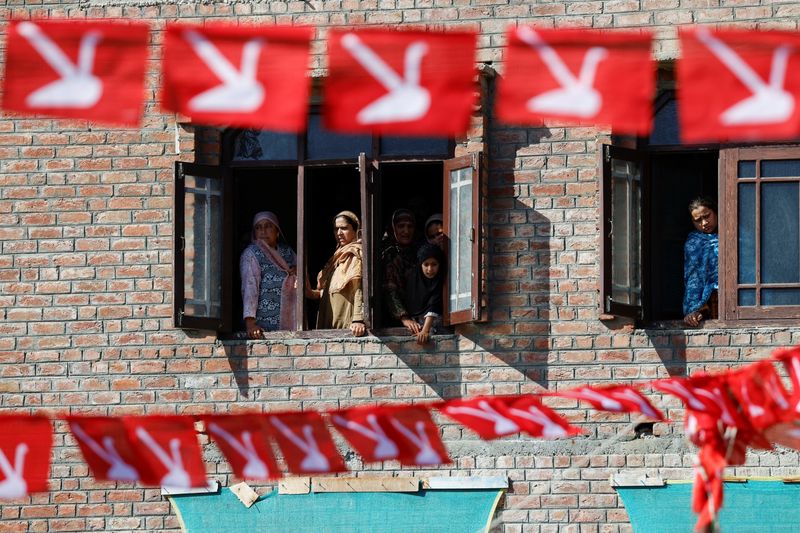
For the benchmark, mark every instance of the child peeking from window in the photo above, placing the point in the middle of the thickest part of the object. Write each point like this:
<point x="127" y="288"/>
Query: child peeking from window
<point x="424" y="287"/>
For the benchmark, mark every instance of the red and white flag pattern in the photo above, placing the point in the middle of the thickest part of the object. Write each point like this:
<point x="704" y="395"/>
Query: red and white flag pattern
<point x="738" y="85"/>
<point x="578" y="76"/>
<point x="25" y="445"/>
<point x="243" y="439"/>
<point x="538" y="420"/>
<point x="247" y="76"/>
<point x="166" y="448"/>
<point x="419" y="442"/>
<point x="82" y="69"/>
<point x="400" y="82"/>
<point x="614" y="399"/>
<point x="368" y="432"/>
<point x="106" y="448"/>
<point x="305" y="442"/>
<point x="487" y="416"/>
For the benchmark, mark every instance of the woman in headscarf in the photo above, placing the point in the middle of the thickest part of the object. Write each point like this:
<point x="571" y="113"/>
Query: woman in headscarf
<point x="424" y="290"/>
<point x="398" y="259"/>
<point x="700" y="266"/>
<point x="339" y="290"/>
<point x="434" y="230"/>
<point x="269" y="281"/>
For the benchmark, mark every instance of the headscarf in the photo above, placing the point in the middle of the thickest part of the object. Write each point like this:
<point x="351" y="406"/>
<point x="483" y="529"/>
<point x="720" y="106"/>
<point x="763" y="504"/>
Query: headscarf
<point x="402" y="214"/>
<point x="437" y="217"/>
<point x="700" y="269"/>
<point x="423" y="294"/>
<point x="289" y="287"/>
<point x="348" y="256"/>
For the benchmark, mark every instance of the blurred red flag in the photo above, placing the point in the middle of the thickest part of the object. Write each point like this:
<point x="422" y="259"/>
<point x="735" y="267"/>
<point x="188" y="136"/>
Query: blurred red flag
<point x="538" y="420"/>
<point x="738" y="85"/>
<point x="486" y="415"/>
<point x="82" y="69"/>
<point x="25" y="444"/>
<point x="243" y="440"/>
<point x="578" y="76"/>
<point x="306" y="443"/>
<point x="400" y="82"/>
<point x="368" y="432"/>
<point x="107" y="449"/>
<point x="247" y="76"/>
<point x="419" y="442"/>
<point x="167" y="446"/>
<point x="614" y="399"/>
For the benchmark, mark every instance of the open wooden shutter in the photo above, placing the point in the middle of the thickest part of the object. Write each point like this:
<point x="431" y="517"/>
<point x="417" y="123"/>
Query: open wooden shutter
<point x="624" y="258"/>
<point x="202" y="277"/>
<point x="370" y="211"/>
<point x="462" y="225"/>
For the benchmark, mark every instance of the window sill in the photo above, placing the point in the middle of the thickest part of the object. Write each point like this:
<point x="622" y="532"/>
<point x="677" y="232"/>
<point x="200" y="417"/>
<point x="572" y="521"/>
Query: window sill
<point x="716" y="324"/>
<point x="329" y="334"/>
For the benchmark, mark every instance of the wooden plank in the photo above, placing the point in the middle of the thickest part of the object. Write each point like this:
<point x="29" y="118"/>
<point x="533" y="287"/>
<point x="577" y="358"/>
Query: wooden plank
<point x="365" y="484"/>
<point x="211" y="488"/>
<point x="294" y="485"/>
<point x="635" y="480"/>
<point x="466" y="482"/>
<point x="245" y="494"/>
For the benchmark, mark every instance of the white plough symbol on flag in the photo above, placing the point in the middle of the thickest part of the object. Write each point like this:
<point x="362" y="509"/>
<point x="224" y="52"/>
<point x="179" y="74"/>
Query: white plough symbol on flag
<point x="385" y="447"/>
<point x="255" y="467"/>
<point x="314" y="461"/>
<point x="119" y="469"/>
<point x="176" y="475"/>
<point x="78" y="87"/>
<point x="407" y="99"/>
<point x="14" y="485"/>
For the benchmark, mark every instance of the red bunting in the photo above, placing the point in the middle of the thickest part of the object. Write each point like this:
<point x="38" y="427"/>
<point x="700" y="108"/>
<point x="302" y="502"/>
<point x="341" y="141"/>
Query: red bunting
<point x="106" y="448"/>
<point x="707" y="492"/>
<point x="761" y="395"/>
<point x="580" y="76"/>
<point x="487" y="416"/>
<point x="243" y="440"/>
<point x="167" y="447"/>
<point x="248" y="76"/>
<point x="25" y="444"/>
<point x="306" y="443"/>
<point x="704" y="394"/>
<point x="419" y="443"/>
<point x="400" y="82"/>
<point x="738" y="85"/>
<point x="368" y="432"/>
<point x="84" y="69"/>
<point x="538" y="420"/>
<point x="614" y="399"/>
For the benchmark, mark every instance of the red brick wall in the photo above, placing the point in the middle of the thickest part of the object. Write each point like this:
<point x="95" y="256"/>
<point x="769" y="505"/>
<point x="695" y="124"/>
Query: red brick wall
<point x="86" y="289"/>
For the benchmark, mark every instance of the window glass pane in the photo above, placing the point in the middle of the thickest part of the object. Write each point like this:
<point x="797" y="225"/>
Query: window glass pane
<point x="626" y="221"/>
<point x="780" y="168"/>
<point x="747" y="297"/>
<point x="202" y="278"/>
<point x="414" y="146"/>
<point x="460" y="271"/>
<point x="780" y="296"/>
<point x="780" y="234"/>
<point x="665" y="125"/>
<point x="324" y="144"/>
<point x="265" y="145"/>
<point x="747" y="169"/>
<point x="747" y="233"/>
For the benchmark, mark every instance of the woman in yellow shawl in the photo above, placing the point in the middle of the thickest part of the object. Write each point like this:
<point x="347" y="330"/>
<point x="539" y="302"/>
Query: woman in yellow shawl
<point x="339" y="282"/>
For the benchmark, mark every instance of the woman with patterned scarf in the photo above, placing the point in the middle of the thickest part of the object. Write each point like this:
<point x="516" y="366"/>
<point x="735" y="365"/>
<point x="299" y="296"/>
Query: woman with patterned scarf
<point x="700" y="266"/>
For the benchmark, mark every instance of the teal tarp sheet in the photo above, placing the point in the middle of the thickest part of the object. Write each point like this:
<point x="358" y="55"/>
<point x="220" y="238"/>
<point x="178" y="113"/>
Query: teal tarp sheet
<point x="749" y="507"/>
<point x="426" y="511"/>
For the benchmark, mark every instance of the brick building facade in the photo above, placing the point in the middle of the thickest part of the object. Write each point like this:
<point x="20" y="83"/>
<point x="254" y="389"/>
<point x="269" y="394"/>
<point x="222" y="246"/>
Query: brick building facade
<point x="86" y="287"/>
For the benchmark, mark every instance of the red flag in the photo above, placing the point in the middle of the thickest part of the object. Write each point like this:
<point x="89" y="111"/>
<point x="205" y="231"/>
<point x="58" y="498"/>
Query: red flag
<point x="704" y="394"/>
<point x="368" y="432"/>
<point x="25" y="444"/>
<point x="243" y="440"/>
<point x="708" y="486"/>
<point x="738" y="85"/>
<point x="580" y="76"/>
<point x="538" y="420"/>
<point x="106" y="448"/>
<point x="761" y="395"/>
<point x="614" y="398"/>
<point x="84" y="69"/>
<point x="791" y="361"/>
<point x="306" y="443"/>
<point x="249" y="76"/>
<point x="420" y="443"/>
<point x="404" y="82"/>
<point x="487" y="416"/>
<point x="167" y="445"/>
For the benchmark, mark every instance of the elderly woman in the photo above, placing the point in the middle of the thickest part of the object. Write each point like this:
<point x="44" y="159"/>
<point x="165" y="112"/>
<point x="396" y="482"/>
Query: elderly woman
<point x="339" y="290"/>
<point x="398" y="259"/>
<point x="269" y="280"/>
<point x="700" y="267"/>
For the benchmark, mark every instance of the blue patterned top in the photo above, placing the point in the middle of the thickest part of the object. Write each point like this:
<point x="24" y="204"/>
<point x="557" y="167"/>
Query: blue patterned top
<point x="268" y="315"/>
<point x="700" y="269"/>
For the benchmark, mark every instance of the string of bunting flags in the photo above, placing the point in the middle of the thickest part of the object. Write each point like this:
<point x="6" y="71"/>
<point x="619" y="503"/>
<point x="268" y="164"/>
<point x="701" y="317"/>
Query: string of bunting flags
<point x="725" y="414"/>
<point x="732" y="84"/>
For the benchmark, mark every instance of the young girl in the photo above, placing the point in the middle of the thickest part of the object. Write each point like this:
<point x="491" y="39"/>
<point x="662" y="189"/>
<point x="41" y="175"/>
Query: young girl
<point x="424" y="291"/>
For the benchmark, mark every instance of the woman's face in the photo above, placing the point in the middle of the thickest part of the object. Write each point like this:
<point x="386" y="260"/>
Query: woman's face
<point x="345" y="233"/>
<point x="430" y="267"/>
<point x="404" y="231"/>
<point x="704" y="219"/>
<point x="435" y="233"/>
<point x="267" y="231"/>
